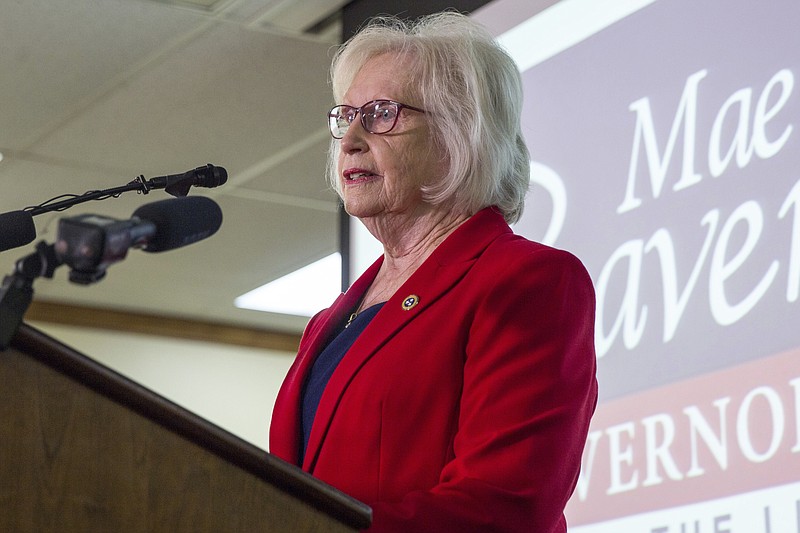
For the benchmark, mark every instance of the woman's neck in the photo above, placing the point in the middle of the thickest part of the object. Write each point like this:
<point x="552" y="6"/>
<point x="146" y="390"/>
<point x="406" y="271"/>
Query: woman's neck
<point x="406" y="247"/>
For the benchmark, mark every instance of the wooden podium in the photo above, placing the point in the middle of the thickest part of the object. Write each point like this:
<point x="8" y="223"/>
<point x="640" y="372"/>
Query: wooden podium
<point x="84" y="449"/>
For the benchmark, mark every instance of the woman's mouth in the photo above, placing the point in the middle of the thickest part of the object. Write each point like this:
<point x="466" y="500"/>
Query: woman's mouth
<point x="358" y="175"/>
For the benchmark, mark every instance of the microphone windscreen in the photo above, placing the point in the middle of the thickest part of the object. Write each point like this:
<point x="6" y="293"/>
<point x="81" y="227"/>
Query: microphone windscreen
<point x="211" y="176"/>
<point x="16" y="229"/>
<point x="180" y="221"/>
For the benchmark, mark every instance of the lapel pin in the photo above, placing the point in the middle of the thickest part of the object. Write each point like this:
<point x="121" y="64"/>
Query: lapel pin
<point x="410" y="302"/>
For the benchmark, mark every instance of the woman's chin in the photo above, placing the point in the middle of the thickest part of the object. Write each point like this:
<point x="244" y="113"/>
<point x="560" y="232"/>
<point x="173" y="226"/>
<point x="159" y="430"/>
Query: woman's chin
<point x="361" y="207"/>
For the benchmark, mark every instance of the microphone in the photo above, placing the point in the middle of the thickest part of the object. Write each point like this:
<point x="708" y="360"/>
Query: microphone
<point x="178" y="184"/>
<point x="16" y="229"/>
<point x="89" y="244"/>
<point x="180" y="221"/>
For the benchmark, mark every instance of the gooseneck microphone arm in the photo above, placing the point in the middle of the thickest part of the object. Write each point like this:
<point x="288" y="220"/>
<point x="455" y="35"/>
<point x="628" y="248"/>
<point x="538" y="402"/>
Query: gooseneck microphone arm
<point x="85" y="197"/>
<point x="17" y="227"/>
<point x="175" y="184"/>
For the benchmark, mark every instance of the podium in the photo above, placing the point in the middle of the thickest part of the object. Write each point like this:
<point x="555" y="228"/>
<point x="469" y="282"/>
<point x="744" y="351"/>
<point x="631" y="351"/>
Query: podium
<point x="84" y="449"/>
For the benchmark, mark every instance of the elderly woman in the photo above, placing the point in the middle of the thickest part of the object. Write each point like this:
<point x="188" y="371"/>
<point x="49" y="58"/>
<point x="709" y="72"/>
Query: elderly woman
<point x="451" y="387"/>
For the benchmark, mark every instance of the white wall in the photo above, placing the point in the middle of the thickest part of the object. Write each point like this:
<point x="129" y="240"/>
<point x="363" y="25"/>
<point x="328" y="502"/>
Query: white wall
<point x="230" y="386"/>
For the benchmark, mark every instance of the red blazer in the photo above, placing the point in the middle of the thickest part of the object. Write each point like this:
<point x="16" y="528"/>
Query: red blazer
<point x="467" y="411"/>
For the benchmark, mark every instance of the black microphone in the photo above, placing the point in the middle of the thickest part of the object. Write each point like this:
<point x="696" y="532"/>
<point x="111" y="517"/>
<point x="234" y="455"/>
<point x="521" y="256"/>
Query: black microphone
<point x="179" y="184"/>
<point x="16" y="229"/>
<point x="89" y="244"/>
<point x="180" y="221"/>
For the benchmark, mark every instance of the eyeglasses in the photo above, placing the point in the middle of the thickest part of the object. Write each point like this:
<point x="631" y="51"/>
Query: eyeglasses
<point x="377" y="116"/>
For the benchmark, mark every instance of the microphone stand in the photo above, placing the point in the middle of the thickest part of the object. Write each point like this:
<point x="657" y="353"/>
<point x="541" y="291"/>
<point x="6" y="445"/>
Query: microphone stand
<point x="16" y="292"/>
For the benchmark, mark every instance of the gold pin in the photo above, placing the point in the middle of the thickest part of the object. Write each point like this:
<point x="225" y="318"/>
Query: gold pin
<point x="410" y="302"/>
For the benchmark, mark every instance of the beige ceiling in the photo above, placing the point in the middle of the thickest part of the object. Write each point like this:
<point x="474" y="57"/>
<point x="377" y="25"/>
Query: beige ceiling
<point x="94" y="93"/>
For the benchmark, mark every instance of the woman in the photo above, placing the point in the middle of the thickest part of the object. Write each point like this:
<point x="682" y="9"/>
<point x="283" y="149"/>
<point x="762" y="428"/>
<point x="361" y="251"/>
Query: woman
<point x="451" y="387"/>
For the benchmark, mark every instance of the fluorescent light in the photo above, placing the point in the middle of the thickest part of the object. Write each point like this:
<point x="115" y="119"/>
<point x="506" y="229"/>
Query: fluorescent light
<point x="302" y="292"/>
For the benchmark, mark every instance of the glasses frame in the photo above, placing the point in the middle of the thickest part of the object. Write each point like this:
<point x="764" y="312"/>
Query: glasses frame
<point x="333" y="117"/>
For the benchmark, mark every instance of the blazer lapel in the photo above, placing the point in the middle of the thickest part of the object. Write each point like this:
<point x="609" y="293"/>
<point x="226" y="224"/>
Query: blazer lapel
<point x="435" y="277"/>
<point x="287" y="415"/>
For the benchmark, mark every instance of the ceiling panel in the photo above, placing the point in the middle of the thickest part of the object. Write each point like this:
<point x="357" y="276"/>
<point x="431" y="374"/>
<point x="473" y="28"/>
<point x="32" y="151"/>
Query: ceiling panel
<point x="301" y="176"/>
<point x="59" y="55"/>
<point x="198" y="105"/>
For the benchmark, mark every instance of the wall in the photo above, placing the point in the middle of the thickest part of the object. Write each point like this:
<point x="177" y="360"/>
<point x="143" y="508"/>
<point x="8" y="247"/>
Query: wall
<point x="230" y="386"/>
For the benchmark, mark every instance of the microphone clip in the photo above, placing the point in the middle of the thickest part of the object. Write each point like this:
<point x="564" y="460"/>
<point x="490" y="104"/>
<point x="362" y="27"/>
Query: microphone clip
<point x="176" y="185"/>
<point x="144" y="186"/>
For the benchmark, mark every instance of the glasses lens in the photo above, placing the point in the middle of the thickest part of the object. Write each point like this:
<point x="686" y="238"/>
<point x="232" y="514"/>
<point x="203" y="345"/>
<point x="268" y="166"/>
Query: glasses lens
<point x="380" y="116"/>
<point x="339" y="120"/>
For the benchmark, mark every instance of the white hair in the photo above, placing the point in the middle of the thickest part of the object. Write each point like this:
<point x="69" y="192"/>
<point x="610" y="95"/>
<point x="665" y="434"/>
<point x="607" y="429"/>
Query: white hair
<point x="471" y="89"/>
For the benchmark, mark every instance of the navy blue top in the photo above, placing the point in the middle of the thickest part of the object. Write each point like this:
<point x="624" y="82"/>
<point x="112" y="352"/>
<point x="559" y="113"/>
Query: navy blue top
<point x="324" y="366"/>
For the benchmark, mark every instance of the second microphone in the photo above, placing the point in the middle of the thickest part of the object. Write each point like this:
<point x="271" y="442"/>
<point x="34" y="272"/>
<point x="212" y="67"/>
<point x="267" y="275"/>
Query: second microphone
<point x="89" y="244"/>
